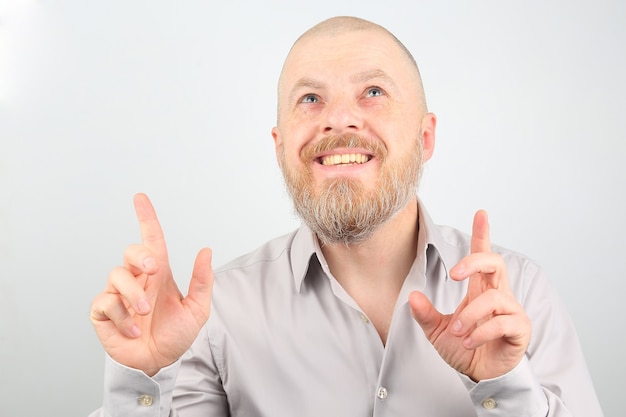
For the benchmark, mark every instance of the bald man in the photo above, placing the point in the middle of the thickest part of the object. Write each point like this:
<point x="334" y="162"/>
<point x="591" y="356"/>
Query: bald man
<point x="367" y="309"/>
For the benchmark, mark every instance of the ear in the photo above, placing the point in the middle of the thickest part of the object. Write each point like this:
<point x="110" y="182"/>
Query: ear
<point x="429" y="123"/>
<point x="278" y="143"/>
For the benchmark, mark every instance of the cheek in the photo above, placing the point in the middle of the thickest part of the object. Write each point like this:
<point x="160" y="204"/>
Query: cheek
<point x="289" y="156"/>
<point x="291" y="151"/>
<point x="294" y="138"/>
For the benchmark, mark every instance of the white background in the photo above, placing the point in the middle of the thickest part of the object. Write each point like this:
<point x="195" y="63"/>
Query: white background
<point x="102" y="99"/>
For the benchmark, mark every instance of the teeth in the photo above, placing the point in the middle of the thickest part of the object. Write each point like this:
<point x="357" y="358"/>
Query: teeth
<point x="352" y="158"/>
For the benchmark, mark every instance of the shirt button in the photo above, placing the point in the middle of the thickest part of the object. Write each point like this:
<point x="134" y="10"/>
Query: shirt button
<point x="364" y="318"/>
<point x="489" y="404"/>
<point x="145" y="400"/>
<point x="382" y="393"/>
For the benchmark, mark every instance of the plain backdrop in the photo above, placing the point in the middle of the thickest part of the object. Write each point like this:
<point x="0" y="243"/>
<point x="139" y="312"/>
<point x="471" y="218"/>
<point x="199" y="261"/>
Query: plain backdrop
<point x="103" y="99"/>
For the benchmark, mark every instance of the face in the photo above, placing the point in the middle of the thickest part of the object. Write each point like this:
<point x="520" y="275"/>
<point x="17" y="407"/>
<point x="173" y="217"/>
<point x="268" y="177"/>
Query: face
<point x="352" y="134"/>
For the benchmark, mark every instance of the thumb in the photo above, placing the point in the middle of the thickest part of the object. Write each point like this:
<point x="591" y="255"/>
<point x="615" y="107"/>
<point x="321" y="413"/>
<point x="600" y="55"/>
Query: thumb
<point x="424" y="312"/>
<point x="201" y="284"/>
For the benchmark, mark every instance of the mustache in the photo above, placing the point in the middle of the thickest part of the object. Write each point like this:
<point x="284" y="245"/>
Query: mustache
<point x="345" y="140"/>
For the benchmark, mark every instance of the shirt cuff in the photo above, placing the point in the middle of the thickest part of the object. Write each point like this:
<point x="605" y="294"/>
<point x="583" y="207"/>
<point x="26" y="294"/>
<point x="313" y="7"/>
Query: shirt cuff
<point x="130" y="392"/>
<point x="516" y="393"/>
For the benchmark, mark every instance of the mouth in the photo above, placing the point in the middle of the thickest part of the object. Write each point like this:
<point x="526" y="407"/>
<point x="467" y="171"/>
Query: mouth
<point x="344" y="159"/>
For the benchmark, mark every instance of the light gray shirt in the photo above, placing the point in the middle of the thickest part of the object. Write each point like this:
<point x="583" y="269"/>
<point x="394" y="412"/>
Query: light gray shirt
<point x="285" y="339"/>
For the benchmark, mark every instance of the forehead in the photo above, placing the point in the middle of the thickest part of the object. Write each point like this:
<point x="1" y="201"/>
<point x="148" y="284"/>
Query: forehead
<point x="343" y="55"/>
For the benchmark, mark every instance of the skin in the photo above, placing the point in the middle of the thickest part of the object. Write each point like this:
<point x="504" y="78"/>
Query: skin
<point x="141" y="318"/>
<point x="335" y="80"/>
<point x="489" y="332"/>
<point x="357" y="91"/>
<point x="357" y="82"/>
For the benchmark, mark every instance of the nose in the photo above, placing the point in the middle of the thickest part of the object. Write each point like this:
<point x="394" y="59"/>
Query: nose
<point x="342" y="115"/>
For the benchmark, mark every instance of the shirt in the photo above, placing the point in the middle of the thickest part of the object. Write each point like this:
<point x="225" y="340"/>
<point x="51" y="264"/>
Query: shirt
<point x="285" y="339"/>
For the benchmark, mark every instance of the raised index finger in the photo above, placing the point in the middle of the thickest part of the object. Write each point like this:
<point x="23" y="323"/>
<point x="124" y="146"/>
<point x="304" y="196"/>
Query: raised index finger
<point x="151" y="232"/>
<point x="487" y="269"/>
<point x="480" y="243"/>
<point x="480" y="233"/>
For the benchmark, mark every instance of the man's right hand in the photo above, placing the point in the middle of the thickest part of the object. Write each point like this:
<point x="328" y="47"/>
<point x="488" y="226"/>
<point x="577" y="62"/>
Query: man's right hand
<point x="141" y="318"/>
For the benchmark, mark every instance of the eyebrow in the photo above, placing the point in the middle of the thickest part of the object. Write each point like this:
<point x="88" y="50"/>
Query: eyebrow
<point x="361" y="77"/>
<point x="371" y="75"/>
<point x="308" y="83"/>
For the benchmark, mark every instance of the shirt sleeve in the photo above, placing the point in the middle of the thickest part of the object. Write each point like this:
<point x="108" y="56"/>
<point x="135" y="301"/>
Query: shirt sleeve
<point x="555" y="354"/>
<point x="508" y="394"/>
<point x="552" y="380"/>
<point x="130" y="392"/>
<point x="192" y="386"/>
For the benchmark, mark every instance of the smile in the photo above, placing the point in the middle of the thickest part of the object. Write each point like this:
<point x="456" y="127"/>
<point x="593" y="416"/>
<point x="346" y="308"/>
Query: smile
<point x="345" y="159"/>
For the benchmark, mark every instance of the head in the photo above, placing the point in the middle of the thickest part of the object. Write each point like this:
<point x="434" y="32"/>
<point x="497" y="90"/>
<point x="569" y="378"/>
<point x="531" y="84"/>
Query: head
<point x="353" y="130"/>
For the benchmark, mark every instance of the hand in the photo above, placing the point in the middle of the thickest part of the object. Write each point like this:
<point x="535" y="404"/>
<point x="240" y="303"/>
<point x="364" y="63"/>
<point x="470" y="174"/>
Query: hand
<point x="489" y="332"/>
<point x="141" y="318"/>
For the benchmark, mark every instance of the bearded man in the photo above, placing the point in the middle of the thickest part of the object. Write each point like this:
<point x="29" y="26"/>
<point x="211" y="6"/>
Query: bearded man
<point x="368" y="309"/>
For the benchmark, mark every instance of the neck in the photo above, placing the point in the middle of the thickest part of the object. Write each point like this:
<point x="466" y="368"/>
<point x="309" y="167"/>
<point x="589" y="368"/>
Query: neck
<point x="372" y="272"/>
<point x="392" y="249"/>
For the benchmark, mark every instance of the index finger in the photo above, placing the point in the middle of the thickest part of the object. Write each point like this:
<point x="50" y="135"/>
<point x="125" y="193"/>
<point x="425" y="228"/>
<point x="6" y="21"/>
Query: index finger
<point x="480" y="233"/>
<point x="151" y="232"/>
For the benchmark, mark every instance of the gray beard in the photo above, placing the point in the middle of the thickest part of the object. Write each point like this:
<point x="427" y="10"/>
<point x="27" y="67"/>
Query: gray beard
<point x="343" y="213"/>
<point x="339" y="214"/>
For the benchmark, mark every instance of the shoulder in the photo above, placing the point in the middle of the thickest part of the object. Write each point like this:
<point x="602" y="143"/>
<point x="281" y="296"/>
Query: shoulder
<point x="268" y="253"/>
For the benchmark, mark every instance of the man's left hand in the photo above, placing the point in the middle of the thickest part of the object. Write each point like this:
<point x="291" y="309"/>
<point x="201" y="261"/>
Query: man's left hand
<point x="489" y="332"/>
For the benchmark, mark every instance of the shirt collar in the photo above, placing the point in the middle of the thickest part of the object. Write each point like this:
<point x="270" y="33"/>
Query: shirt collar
<point x="303" y="250"/>
<point x="430" y="242"/>
<point x="434" y="245"/>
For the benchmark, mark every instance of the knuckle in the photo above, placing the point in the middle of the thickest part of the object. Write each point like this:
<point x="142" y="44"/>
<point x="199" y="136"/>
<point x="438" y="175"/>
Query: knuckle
<point x="116" y="280"/>
<point x="96" y="312"/>
<point x="116" y="272"/>
<point x="123" y="288"/>
<point x="103" y="307"/>
<point x="118" y="314"/>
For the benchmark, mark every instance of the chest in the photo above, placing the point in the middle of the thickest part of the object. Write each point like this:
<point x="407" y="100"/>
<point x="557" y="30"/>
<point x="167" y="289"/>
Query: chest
<point x="326" y="358"/>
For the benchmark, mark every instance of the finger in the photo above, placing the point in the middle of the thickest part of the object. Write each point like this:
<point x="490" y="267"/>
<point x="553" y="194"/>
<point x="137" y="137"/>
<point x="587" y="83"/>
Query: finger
<point x="151" y="232"/>
<point x="108" y="307"/>
<point x="480" y="233"/>
<point x="488" y="264"/>
<point x="514" y="328"/>
<point x="491" y="303"/>
<point x="140" y="260"/>
<point x="481" y="274"/>
<point x="425" y="314"/>
<point x="123" y="283"/>
<point x="201" y="284"/>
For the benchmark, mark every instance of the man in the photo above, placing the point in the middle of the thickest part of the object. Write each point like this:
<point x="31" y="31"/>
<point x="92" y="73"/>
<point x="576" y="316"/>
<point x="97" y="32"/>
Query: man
<point x="368" y="308"/>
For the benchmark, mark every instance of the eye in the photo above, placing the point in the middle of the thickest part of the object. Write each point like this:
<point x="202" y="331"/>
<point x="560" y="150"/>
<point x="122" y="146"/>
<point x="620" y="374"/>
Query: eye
<point x="375" y="92"/>
<point x="310" y="98"/>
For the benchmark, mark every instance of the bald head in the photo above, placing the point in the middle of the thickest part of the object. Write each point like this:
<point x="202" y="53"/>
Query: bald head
<point x="336" y="27"/>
